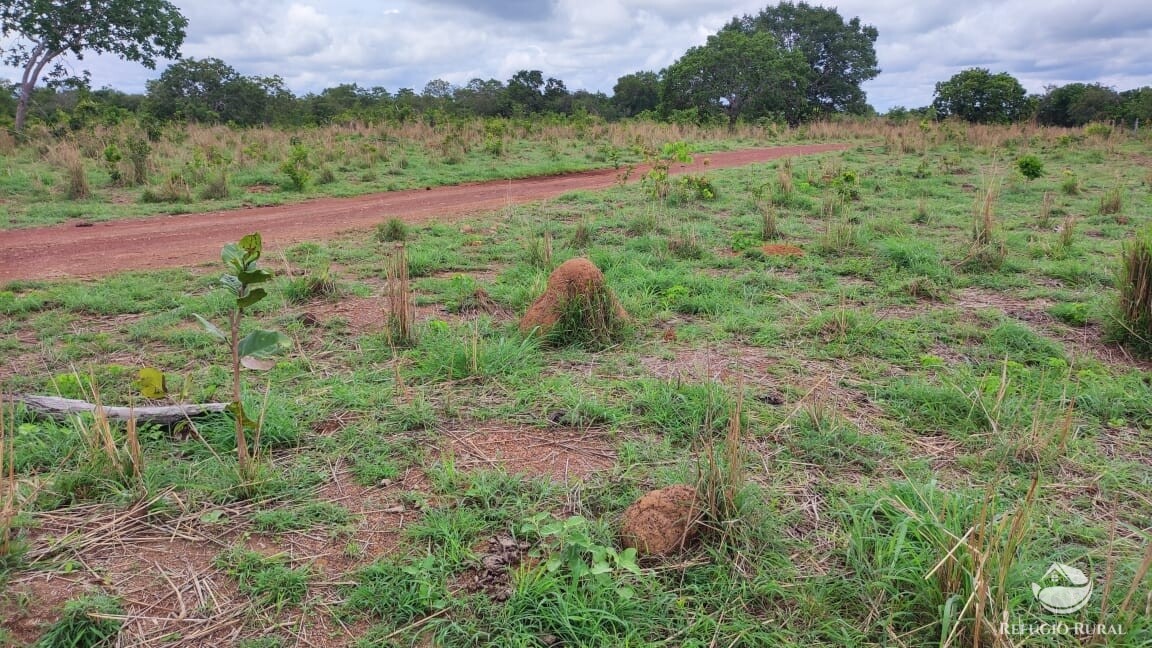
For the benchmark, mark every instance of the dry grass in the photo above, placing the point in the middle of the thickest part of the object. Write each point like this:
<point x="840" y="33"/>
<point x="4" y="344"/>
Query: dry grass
<point x="401" y="306"/>
<point x="8" y="503"/>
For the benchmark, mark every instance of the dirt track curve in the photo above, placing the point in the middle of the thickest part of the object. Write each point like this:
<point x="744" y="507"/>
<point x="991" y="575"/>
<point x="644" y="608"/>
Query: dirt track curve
<point x="187" y="240"/>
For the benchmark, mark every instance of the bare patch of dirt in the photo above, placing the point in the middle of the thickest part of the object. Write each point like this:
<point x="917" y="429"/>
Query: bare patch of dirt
<point x="781" y="249"/>
<point x="714" y="363"/>
<point x="195" y="239"/>
<point x="563" y="454"/>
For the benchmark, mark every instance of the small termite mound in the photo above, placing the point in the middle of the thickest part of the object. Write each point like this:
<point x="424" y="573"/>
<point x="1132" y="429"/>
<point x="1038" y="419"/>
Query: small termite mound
<point x="577" y="307"/>
<point x="662" y="521"/>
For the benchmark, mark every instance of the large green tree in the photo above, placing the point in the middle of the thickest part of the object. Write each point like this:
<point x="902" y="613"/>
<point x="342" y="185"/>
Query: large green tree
<point x="977" y="95"/>
<point x="636" y="93"/>
<point x="39" y="33"/>
<point x="1076" y="104"/>
<point x="738" y="74"/>
<point x="210" y="90"/>
<point x="840" y="55"/>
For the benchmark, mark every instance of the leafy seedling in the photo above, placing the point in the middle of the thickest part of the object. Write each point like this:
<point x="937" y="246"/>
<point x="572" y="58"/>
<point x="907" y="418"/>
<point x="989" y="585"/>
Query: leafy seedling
<point x="254" y="350"/>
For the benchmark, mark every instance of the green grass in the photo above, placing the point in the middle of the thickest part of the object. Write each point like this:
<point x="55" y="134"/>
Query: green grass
<point x="898" y="389"/>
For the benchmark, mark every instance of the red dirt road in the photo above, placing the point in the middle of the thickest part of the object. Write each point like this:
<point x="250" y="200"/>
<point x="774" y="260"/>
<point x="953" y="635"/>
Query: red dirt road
<point x="187" y="240"/>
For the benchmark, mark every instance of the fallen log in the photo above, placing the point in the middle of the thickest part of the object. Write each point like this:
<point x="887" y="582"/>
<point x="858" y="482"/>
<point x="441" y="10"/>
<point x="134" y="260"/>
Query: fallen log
<point x="62" y="408"/>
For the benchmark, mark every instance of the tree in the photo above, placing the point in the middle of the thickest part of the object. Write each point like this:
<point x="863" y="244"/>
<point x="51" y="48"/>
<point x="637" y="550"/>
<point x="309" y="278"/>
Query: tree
<point x="977" y="95"/>
<point x="526" y="89"/>
<point x="210" y="90"/>
<point x="840" y="55"/>
<point x="43" y="31"/>
<point x="1077" y="104"/>
<point x="636" y="93"/>
<point x="738" y="74"/>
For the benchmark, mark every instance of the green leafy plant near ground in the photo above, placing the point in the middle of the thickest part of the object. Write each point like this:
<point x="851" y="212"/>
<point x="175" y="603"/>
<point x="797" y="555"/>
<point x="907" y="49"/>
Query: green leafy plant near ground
<point x="253" y="350"/>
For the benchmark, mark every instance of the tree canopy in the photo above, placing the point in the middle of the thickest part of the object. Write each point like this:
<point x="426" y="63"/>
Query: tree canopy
<point x="41" y="32"/>
<point x="210" y="90"/>
<point x="738" y="74"/>
<point x="840" y="55"/>
<point x="977" y="95"/>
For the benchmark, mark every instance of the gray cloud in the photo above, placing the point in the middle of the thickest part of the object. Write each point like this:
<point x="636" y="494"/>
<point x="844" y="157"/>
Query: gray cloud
<point x="588" y="44"/>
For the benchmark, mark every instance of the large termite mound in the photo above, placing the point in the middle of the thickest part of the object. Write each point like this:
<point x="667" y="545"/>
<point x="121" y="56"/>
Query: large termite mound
<point x="662" y="521"/>
<point x="576" y="306"/>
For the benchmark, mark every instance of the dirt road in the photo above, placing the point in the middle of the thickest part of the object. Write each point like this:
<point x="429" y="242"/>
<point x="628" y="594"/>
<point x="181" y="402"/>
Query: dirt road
<point x="192" y="239"/>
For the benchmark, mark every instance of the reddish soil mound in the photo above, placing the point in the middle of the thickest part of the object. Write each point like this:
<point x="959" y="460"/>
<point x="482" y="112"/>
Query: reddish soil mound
<point x="576" y="280"/>
<point x="662" y="521"/>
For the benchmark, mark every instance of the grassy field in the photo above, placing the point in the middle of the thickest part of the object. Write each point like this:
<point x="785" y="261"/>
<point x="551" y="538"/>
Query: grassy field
<point x="118" y="172"/>
<point x="900" y="427"/>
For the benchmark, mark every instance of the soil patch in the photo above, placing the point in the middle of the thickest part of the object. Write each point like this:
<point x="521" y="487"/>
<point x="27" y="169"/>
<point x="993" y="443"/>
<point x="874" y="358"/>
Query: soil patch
<point x="560" y="453"/>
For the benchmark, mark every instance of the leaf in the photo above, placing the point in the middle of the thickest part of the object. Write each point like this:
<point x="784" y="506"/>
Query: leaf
<point x="150" y="382"/>
<point x="252" y="246"/>
<point x="215" y="516"/>
<point x="257" y="364"/>
<point x="262" y="343"/>
<point x="625" y="593"/>
<point x="553" y="563"/>
<point x="600" y="568"/>
<point x="211" y="328"/>
<point x="231" y="282"/>
<point x="253" y="296"/>
<point x="249" y="277"/>
<point x="235" y="408"/>
<point x="232" y="255"/>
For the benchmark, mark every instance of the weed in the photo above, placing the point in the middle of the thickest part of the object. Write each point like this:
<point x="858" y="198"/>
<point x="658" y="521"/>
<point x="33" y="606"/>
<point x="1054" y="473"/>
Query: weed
<point x="539" y="252"/>
<point x="68" y="156"/>
<point x="1070" y="185"/>
<point x="267" y="578"/>
<point x="321" y="284"/>
<point x="392" y="231"/>
<point x="1111" y="202"/>
<point x="840" y="237"/>
<point x="87" y="622"/>
<point x="582" y="234"/>
<point x="769" y="223"/>
<point x="399" y="592"/>
<point x="174" y="190"/>
<point x="686" y="245"/>
<point x="1045" y="217"/>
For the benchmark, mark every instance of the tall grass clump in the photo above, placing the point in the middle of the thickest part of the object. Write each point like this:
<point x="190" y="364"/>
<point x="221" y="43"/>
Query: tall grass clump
<point x="1131" y="325"/>
<point x="9" y="508"/>
<point x="1111" y="202"/>
<point x="88" y="622"/>
<point x="392" y="231"/>
<point x="401" y="306"/>
<point x="69" y="159"/>
<point x="721" y="480"/>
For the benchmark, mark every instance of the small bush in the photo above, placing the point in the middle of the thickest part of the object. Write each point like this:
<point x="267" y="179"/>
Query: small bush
<point x="79" y="628"/>
<point x="1071" y="184"/>
<point x="1030" y="167"/>
<point x="174" y="190"/>
<point x="216" y="189"/>
<point x="392" y="231"/>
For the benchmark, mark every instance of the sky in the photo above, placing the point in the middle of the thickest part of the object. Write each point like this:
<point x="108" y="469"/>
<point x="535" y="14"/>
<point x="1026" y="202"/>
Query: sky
<point x="588" y="44"/>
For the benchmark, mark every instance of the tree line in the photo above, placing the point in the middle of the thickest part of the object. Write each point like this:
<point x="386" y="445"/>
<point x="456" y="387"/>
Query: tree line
<point x="979" y="96"/>
<point x="789" y="63"/>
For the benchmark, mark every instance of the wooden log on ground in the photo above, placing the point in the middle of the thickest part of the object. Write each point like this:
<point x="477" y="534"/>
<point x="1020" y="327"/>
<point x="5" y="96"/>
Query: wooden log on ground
<point x="62" y="408"/>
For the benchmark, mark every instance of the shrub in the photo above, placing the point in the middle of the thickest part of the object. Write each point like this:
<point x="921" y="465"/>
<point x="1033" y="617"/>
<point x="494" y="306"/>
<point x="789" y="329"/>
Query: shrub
<point x="1030" y="167"/>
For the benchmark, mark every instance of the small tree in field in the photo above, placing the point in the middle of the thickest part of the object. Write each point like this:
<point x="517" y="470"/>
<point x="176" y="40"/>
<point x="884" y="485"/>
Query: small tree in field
<point x="36" y="34"/>
<point x="253" y="350"/>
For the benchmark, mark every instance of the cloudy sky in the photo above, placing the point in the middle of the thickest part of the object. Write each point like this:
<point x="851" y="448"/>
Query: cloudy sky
<point x="588" y="44"/>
